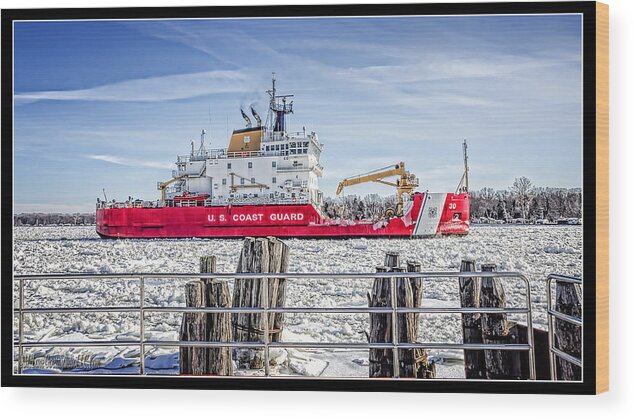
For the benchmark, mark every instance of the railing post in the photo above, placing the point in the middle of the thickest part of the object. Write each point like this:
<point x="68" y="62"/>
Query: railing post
<point x="551" y="329"/>
<point x="530" y="334"/>
<point x="21" y="326"/>
<point x="142" y="324"/>
<point x="265" y="315"/>
<point x="396" y="364"/>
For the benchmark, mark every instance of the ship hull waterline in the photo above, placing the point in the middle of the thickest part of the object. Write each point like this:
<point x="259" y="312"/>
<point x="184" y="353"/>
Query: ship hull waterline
<point x="427" y="215"/>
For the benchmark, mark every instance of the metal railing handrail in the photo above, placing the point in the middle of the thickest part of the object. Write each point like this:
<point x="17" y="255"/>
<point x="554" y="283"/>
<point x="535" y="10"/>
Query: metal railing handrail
<point x="394" y="309"/>
<point x="287" y="275"/>
<point x="552" y="314"/>
<point x="284" y="310"/>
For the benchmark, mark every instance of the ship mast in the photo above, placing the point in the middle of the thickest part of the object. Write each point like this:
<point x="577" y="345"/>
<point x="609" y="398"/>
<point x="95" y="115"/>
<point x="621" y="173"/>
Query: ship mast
<point x="463" y="185"/>
<point x="466" y="165"/>
<point x="278" y="108"/>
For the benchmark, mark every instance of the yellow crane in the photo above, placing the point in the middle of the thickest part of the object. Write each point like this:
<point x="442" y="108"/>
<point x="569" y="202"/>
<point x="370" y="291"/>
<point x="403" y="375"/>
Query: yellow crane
<point x="405" y="184"/>
<point x="234" y="186"/>
<point x="162" y="186"/>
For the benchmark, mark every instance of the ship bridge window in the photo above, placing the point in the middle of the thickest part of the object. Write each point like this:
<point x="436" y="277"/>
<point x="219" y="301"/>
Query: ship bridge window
<point x="250" y="165"/>
<point x="228" y="165"/>
<point x="224" y="181"/>
<point x="241" y="181"/>
<point x="274" y="180"/>
<point x="274" y="164"/>
<point x="252" y="180"/>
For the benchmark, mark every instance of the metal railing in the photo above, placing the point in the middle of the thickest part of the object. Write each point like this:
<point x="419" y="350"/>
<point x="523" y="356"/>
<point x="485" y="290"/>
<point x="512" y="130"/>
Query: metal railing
<point x="255" y="200"/>
<point x="553" y="351"/>
<point x="266" y="344"/>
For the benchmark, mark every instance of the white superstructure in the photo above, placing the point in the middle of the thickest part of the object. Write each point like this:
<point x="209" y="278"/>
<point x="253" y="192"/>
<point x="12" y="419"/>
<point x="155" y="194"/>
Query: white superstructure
<point x="262" y="164"/>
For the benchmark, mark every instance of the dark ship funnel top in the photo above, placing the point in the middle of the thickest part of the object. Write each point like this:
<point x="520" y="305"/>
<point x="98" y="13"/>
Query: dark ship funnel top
<point x="256" y="116"/>
<point x="246" y="118"/>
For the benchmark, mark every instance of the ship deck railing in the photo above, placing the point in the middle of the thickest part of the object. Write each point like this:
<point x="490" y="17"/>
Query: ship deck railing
<point x="206" y="203"/>
<point x="256" y="201"/>
<point x="294" y="135"/>
<point x="223" y="154"/>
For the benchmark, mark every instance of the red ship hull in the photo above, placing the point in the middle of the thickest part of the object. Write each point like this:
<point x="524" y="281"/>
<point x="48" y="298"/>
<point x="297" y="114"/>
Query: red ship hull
<point x="426" y="215"/>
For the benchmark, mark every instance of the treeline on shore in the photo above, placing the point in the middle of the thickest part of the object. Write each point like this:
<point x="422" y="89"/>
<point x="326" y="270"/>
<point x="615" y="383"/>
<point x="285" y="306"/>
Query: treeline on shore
<point x="43" y="219"/>
<point x="521" y="201"/>
<point x="525" y="202"/>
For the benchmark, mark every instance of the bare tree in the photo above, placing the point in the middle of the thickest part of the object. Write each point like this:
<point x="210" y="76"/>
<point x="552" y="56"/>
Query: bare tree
<point x="489" y="201"/>
<point x="374" y="207"/>
<point x="523" y="189"/>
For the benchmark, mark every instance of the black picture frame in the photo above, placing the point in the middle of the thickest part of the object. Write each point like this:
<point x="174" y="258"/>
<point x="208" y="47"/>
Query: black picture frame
<point x="588" y="386"/>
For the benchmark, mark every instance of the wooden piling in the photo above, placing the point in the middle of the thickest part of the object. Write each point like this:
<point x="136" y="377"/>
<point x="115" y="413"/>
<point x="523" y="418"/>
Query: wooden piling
<point x="192" y="360"/>
<point x="258" y="255"/>
<point x="218" y="324"/>
<point x="568" y="337"/>
<point x="416" y="285"/>
<point x="519" y="335"/>
<point x="392" y="259"/>
<point x="380" y="360"/>
<point x="412" y="362"/>
<point x="206" y="327"/>
<point x="422" y="367"/>
<point x="495" y="327"/>
<point x="474" y="364"/>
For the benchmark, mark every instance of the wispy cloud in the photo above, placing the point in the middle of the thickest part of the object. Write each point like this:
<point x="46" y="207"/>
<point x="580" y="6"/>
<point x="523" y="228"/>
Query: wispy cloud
<point x="170" y="31"/>
<point x="130" y="162"/>
<point x="152" y="89"/>
<point x="451" y="66"/>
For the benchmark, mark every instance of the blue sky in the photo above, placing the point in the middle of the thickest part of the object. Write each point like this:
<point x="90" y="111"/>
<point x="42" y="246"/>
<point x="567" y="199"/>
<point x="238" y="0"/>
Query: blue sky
<point x="109" y="104"/>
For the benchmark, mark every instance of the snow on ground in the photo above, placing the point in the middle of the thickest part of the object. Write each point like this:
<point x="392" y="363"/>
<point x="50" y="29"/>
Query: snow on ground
<point x="534" y="251"/>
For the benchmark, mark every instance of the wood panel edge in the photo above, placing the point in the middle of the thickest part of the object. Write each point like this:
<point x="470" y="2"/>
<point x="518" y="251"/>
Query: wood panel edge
<point x="602" y="198"/>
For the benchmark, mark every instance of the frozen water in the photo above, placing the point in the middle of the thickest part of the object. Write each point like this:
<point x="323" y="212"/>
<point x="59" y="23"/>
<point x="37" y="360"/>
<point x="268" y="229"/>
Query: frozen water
<point x="534" y="251"/>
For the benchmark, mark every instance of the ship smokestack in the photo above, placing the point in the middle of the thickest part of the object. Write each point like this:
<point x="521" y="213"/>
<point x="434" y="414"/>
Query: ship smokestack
<point x="256" y="116"/>
<point x="246" y="118"/>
